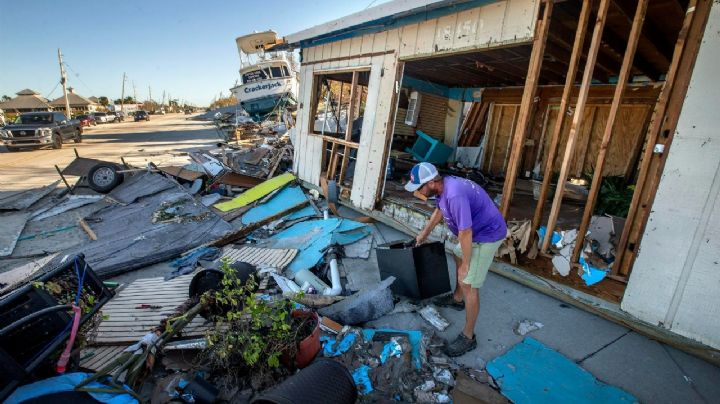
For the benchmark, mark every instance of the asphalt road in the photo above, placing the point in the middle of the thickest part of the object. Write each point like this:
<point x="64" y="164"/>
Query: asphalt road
<point x="163" y="140"/>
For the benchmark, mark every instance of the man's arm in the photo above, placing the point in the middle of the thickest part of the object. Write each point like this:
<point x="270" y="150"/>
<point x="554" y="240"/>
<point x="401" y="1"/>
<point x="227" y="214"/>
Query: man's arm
<point x="435" y="218"/>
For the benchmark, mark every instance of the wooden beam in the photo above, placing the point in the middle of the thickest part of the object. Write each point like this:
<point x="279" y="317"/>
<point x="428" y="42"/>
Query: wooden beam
<point x="349" y="126"/>
<point x="526" y="104"/>
<point x="623" y="78"/>
<point x="564" y="102"/>
<point x="389" y="130"/>
<point x="577" y="120"/>
<point x="665" y="116"/>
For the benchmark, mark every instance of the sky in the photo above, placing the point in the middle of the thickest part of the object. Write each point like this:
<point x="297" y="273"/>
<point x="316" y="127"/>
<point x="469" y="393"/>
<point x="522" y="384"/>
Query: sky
<point x="183" y="47"/>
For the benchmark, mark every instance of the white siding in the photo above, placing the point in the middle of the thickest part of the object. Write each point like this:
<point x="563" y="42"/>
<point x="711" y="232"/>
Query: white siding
<point x="675" y="281"/>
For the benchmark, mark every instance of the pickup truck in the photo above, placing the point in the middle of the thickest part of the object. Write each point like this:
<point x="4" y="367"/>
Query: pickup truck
<point x="39" y="129"/>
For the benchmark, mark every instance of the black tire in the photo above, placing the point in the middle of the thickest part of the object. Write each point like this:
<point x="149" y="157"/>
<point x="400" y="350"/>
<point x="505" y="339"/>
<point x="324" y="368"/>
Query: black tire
<point x="104" y="177"/>
<point x="78" y="136"/>
<point x="57" y="141"/>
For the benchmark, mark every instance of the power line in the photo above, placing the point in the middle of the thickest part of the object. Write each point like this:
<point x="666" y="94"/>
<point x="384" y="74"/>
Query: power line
<point x="77" y="75"/>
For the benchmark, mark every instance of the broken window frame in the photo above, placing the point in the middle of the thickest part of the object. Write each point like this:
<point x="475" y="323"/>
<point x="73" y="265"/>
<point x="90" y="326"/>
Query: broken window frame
<point x="336" y="147"/>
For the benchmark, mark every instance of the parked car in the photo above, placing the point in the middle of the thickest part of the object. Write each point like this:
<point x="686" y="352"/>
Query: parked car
<point x="38" y="129"/>
<point x="86" y="120"/>
<point x="142" y="116"/>
<point x="101" y="117"/>
<point x="115" y="116"/>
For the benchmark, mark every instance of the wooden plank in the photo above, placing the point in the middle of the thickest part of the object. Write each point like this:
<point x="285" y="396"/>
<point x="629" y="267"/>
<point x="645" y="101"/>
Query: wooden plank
<point x="389" y="130"/>
<point x="577" y="119"/>
<point x="490" y="23"/>
<point x="516" y="110"/>
<point x="500" y="110"/>
<point x="623" y="78"/>
<point x="526" y="104"/>
<point x="466" y="27"/>
<point x="664" y="121"/>
<point x="355" y="46"/>
<point x="408" y="40"/>
<point x="564" y="102"/>
<point x="425" y="37"/>
<point x="518" y="15"/>
<point x="445" y="32"/>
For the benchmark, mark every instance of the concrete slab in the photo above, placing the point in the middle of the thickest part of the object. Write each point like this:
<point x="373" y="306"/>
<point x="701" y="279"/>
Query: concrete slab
<point x="646" y="368"/>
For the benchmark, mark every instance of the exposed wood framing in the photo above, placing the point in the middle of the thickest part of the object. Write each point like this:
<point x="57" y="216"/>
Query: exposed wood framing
<point x="349" y="125"/>
<point x="577" y="120"/>
<point x="662" y="130"/>
<point x="623" y="78"/>
<point x="526" y="106"/>
<point x="564" y="102"/>
<point x="342" y="58"/>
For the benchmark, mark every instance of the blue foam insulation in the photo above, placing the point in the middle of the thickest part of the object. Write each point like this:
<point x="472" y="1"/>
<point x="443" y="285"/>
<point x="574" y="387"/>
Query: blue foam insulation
<point x="311" y="237"/>
<point x="307" y="211"/>
<point x="67" y="382"/>
<point x="414" y="336"/>
<point x="591" y="275"/>
<point x="285" y="199"/>
<point x="533" y="373"/>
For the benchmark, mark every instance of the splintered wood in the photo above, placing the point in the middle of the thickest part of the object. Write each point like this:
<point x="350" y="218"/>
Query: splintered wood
<point x="519" y="240"/>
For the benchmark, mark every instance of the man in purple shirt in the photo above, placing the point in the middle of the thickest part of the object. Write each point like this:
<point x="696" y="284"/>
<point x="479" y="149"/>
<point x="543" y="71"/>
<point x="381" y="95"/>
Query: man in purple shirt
<point x="474" y="219"/>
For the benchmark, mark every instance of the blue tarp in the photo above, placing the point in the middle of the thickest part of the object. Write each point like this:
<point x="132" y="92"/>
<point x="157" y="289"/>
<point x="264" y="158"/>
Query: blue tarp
<point x="311" y="237"/>
<point x="591" y="275"/>
<point x="66" y="382"/>
<point x="283" y="200"/>
<point x="533" y="373"/>
<point x="331" y="348"/>
<point x="362" y="379"/>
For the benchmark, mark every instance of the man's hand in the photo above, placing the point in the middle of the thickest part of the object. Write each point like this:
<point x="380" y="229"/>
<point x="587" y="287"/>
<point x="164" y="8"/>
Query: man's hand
<point x="420" y="239"/>
<point x="462" y="270"/>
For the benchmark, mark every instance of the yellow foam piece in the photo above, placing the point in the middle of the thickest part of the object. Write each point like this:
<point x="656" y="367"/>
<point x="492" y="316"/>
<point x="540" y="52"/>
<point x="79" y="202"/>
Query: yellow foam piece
<point x="255" y="193"/>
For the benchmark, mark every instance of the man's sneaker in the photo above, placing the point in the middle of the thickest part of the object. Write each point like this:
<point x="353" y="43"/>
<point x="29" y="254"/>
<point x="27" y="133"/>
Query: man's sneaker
<point x="449" y="301"/>
<point x="461" y="345"/>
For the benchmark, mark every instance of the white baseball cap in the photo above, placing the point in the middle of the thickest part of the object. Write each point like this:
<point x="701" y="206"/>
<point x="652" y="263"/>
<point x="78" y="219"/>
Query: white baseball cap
<point x="420" y="174"/>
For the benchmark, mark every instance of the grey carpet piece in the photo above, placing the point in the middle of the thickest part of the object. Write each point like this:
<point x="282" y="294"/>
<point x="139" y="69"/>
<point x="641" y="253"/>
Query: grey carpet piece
<point x="140" y="185"/>
<point x="11" y="225"/>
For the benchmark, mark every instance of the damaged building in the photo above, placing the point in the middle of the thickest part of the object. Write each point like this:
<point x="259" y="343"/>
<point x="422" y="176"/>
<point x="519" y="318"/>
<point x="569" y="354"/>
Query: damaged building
<point x="565" y="112"/>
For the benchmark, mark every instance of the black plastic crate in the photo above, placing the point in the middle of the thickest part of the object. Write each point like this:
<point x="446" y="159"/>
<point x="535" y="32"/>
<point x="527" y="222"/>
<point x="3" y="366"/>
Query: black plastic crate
<point x="25" y="347"/>
<point x="421" y="271"/>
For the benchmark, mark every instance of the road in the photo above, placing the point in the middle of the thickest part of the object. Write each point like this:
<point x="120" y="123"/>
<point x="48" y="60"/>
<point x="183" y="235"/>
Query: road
<point x="162" y="140"/>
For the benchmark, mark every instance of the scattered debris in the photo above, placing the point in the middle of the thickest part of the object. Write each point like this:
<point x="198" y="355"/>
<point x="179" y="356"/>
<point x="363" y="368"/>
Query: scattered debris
<point x="432" y="316"/>
<point x="526" y="326"/>
<point x="363" y="306"/>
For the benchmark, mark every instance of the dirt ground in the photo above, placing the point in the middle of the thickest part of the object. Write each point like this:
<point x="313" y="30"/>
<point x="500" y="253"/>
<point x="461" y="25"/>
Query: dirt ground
<point x="137" y="142"/>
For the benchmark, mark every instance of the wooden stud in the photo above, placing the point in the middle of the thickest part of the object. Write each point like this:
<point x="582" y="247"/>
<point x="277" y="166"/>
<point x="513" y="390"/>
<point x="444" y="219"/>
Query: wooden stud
<point x="665" y="117"/>
<point x="87" y="229"/>
<point x="349" y="126"/>
<point x="512" y="130"/>
<point x="390" y="129"/>
<point x="623" y="78"/>
<point x="564" y="102"/>
<point x="526" y="105"/>
<point x="70" y="189"/>
<point x="577" y="120"/>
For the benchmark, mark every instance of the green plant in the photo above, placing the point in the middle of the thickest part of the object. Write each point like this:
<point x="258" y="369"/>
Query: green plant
<point x="614" y="197"/>
<point x="251" y="333"/>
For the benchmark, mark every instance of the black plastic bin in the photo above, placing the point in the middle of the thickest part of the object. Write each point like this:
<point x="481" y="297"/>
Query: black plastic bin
<point x="421" y="271"/>
<point x="25" y="346"/>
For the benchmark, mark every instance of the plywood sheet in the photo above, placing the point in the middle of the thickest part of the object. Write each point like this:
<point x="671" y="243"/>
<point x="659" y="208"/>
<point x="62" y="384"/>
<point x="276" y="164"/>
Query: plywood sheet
<point x="260" y="257"/>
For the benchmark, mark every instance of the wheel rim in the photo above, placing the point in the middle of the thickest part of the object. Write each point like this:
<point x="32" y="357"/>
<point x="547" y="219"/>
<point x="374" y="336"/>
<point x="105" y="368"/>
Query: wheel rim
<point x="104" y="176"/>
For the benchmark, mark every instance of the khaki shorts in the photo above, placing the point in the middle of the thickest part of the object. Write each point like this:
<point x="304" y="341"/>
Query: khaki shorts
<point x="480" y="260"/>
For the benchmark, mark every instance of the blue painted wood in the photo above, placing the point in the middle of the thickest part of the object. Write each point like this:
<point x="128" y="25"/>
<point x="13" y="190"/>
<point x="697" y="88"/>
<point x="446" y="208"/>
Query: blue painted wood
<point x="533" y="373"/>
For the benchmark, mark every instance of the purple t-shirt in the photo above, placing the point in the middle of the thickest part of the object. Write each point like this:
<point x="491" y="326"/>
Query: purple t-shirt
<point x="465" y="204"/>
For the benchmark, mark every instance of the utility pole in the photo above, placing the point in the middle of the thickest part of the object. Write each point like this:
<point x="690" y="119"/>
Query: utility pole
<point x="63" y="80"/>
<point x="162" y="104"/>
<point x="122" y="95"/>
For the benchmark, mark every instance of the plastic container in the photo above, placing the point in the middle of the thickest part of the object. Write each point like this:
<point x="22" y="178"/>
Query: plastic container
<point x="324" y="381"/>
<point x="429" y="149"/>
<point x="421" y="271"/>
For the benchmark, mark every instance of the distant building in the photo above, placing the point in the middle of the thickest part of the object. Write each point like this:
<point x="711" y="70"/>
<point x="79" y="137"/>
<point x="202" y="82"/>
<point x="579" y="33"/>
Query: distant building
<point x="78" y="103"/>
<point x="26" y="101"/>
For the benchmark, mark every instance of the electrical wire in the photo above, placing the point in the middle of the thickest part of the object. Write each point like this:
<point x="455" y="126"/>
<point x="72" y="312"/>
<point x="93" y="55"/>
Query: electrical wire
<point x="77" y="75"/>
<point x="53" y="90"/>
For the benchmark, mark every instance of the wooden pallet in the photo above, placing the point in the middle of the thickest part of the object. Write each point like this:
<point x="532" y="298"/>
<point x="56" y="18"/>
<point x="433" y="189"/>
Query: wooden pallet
<point x="127" y="323"/>
<point x="95" y="357"/>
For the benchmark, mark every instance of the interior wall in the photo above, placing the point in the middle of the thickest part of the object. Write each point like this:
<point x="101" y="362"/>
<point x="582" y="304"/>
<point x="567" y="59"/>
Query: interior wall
<point x="676" y="276"/>
<point x="627" y="138"/>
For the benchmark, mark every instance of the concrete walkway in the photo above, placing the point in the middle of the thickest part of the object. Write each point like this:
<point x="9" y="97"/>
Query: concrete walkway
<point x="652" y="371"/>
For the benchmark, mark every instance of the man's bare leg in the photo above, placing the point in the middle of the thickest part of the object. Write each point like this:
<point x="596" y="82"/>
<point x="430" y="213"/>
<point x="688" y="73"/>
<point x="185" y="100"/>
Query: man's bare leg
<point x="458" y="293"/>
<point x="472" y="308"/>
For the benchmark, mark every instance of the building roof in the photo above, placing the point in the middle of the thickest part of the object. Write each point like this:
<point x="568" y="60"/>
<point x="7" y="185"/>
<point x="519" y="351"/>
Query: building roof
<point x="75" y="100"/>
<point x="379" y="18"/>
<point x="26" y="99"/>
<point x="94" y="99"/>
